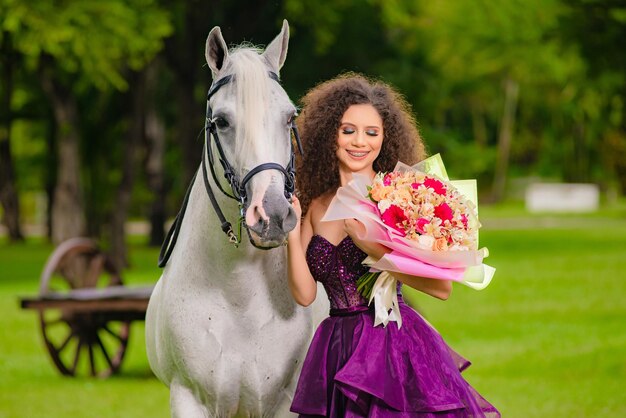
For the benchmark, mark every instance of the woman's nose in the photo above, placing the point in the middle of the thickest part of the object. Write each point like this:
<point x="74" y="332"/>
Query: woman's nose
<point x="359" y="139"/>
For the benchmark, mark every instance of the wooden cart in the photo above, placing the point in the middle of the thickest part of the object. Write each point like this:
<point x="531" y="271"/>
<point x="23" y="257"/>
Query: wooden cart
<point x="85" y="311"/>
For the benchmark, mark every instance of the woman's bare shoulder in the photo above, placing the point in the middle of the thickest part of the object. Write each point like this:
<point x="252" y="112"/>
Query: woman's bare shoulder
<point x="318" y="207"/>
<point x="315" y="207"/>
<point x="321" y="203"/>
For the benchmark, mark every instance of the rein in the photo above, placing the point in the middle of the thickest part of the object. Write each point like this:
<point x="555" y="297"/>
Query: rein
<point x="238" y="188"/>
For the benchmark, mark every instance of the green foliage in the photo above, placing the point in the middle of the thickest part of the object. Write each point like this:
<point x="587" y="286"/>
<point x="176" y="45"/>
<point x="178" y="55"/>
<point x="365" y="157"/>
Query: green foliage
<point x="95" y="39"/>
<point x="324" y="17"/>
<point x="450" y="60"/>
<point x="467" y="158"/>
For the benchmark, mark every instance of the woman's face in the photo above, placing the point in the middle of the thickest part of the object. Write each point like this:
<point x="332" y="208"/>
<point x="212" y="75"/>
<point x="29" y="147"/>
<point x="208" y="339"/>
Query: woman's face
<point x="360" y="138"/>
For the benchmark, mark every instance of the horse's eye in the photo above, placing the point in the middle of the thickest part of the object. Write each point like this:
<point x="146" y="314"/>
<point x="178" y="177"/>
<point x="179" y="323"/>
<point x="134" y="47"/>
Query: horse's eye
<point x="221" y="123"/>
<point x="291" y="119"/>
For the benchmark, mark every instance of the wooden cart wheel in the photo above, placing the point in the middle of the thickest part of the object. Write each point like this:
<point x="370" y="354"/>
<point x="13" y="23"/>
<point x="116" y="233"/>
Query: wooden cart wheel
<point x="82" y="342"/>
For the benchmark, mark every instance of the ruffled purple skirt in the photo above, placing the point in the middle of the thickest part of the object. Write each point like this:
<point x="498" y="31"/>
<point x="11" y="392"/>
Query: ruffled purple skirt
<point x="353" y="369"/>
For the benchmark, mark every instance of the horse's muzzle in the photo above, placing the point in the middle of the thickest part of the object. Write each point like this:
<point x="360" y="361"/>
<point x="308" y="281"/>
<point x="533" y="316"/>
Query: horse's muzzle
<point x="271" y="230"/>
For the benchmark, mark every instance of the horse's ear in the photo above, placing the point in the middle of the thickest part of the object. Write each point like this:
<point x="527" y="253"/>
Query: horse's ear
<point x="216" y="51"/>
<point x="276" y="51"/>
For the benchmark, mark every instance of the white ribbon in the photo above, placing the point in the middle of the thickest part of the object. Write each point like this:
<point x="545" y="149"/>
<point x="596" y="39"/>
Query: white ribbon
<point x="385" y="297"/>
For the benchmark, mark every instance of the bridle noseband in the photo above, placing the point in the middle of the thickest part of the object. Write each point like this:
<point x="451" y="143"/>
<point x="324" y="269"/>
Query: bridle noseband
<point x="238" y="188"/>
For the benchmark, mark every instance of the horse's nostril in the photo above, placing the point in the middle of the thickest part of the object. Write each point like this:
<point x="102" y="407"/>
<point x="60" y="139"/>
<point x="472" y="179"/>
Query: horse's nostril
<point x="259" y="227"/>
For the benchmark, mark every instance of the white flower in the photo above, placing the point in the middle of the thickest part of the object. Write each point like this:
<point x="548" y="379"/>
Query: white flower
<point x="425" y="242"/>
<point x="383" y="205"/>
<point x="427" y="210"/>
<point x="458" y="247"/>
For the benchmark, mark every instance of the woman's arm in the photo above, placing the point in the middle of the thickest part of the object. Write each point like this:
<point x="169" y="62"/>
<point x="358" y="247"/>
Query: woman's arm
<point x="440" y="289"/>
<point x="301" y="283"/>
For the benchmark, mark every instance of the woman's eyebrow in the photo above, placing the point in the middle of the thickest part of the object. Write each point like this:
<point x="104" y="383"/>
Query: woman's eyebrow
<point x="367" y="127"/>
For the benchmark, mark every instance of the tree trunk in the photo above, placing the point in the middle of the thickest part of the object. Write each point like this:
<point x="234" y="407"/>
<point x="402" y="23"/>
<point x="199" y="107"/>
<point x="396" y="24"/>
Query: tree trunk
<point x="119" y="249"/>
<point x="479" y="126"/>
<point x="68" y="218"/>
<point x="189" y="123"/>
<point x="8" y="191"/>
<point x="184" y="56"/>
<point x="507" y="124"/>
<point x="578" y="164"/>
<point x="154" y="163"/>
<point x="51" y="172"/>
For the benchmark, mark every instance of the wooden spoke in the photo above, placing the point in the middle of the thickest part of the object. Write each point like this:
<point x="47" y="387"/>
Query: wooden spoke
<point x="118" y="337"/>
<point x="105" y="354"/>
<point x="94" y="271"/>
<point x="65" y="342"/>
<point x="76" y="356"/>
<point x="92" y="363"/>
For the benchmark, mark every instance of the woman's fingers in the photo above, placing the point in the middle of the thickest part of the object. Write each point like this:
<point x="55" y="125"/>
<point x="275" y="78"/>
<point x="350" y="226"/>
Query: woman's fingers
<point x="354" y="228"/>
<point x="295" y="202"/>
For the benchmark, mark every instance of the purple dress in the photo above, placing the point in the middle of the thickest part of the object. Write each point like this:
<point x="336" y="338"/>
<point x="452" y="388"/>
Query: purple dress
<point x="353" y="369"/>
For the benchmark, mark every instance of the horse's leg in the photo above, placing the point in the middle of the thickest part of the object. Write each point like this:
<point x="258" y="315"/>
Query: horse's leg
<point x="183" y="403"/>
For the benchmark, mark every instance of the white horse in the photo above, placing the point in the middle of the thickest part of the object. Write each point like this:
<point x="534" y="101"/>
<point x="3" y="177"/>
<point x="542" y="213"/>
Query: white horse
<point x="222" y="330"/>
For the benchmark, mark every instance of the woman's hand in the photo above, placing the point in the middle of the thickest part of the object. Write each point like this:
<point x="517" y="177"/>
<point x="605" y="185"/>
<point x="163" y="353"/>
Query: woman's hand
<point x="301" y="283"/>
<point x="295" y="232"/>
<point x="295" y="202"/>
<point x="356" y="229"/>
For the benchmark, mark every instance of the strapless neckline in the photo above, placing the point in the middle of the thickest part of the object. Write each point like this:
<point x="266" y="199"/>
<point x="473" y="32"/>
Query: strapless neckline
<point x="324" y="239"/>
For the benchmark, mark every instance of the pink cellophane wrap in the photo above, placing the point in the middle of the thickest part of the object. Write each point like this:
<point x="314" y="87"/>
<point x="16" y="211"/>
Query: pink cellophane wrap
<point x="352" y="202"/>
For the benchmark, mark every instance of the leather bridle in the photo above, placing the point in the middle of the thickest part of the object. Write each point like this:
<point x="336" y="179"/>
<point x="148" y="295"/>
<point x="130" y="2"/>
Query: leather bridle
<point x="238" y="188"/>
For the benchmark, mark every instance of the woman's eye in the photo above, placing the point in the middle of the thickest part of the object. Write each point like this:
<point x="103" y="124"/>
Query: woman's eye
<point x="221" y="123"/>
<point x="347" y="131"/>
<point x="371" y="132"/>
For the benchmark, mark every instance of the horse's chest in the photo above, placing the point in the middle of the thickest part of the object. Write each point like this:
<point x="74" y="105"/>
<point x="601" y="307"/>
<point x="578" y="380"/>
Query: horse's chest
<point x="217" y="337"/>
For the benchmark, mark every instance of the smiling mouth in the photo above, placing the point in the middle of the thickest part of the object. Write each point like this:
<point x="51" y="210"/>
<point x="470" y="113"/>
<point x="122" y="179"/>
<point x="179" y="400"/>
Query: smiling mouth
<point x="356" y="154"/>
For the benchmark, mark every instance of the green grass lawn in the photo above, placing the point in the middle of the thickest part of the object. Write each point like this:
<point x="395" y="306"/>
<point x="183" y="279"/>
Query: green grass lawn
<point x="32" y="387"/>
<point x="547" y="337"/>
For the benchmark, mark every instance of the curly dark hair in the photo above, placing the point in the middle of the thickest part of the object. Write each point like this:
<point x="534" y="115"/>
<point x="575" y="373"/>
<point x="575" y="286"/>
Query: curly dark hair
<point x="322" y="110"/>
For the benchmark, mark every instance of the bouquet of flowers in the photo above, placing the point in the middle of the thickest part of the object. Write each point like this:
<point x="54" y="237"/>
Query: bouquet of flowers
<point x="429" y="222"/>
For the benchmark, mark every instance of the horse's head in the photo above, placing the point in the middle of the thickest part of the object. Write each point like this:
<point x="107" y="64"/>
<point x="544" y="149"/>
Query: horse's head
<point x="252" y="116"/>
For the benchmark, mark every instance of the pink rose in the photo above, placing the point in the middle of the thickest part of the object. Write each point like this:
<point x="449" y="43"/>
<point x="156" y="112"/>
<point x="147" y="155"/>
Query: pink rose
<point x="393" y="217"/>
<point x="444" y="212"/>
<point x="416" y="185"/>
<point x="464" y="220"/>
<point x="387" y="179"/>
<point x="421" y="222"/>
<point x="436" y="185"/>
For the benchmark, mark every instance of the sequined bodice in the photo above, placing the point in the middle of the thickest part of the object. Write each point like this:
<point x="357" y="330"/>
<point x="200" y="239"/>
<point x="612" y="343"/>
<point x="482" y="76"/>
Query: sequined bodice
<point x="337" y="267"/>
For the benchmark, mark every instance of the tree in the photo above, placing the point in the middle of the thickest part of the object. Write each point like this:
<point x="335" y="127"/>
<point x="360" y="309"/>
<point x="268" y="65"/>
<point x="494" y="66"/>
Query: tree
<point x="490" y="56"/>
<point x="598" y="29"/>
<point x="75" y="45"/>
<point x="8" y="191"/>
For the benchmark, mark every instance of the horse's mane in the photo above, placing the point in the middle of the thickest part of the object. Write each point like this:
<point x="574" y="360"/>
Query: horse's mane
<point x="252" y="93"/>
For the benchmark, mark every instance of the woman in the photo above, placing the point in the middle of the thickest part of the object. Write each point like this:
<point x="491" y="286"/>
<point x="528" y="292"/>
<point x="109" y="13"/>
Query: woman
<point x="353" y="369"/>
